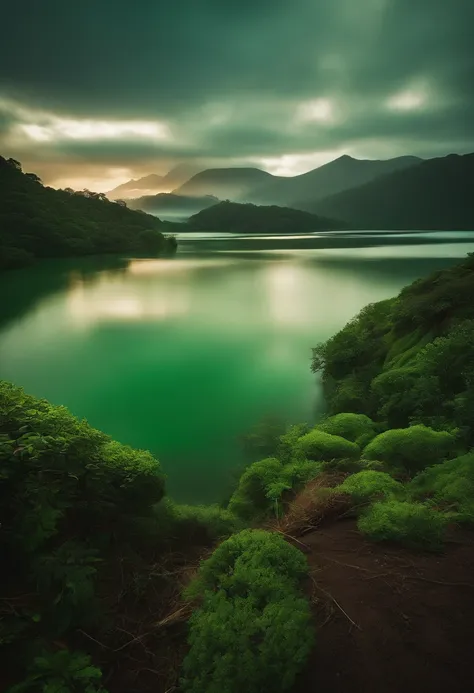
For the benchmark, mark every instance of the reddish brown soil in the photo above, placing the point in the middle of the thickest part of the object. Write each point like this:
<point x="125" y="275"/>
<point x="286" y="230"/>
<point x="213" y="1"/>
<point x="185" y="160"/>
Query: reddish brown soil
<point x="389" y="620"/>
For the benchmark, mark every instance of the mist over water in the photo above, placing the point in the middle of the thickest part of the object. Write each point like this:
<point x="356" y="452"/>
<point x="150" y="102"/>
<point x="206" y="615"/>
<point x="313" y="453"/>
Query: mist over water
<point x="184" y="355"/>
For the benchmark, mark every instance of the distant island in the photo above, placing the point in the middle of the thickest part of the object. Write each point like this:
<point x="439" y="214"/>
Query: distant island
<point x="248" y="218"/>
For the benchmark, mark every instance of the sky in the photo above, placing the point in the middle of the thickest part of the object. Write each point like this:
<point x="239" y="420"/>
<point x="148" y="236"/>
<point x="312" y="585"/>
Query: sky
<point x="95" y="93"/>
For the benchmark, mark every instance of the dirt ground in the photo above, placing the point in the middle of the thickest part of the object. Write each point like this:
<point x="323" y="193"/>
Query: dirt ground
<point x="389" y="620"/>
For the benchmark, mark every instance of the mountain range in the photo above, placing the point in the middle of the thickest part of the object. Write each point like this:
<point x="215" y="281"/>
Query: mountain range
<point x="235" y="184"/>
<point x="434" y="194"/>
<point x="404" y="192"/>
<point x="153" y="183"/>
<point x="338" y="175"/>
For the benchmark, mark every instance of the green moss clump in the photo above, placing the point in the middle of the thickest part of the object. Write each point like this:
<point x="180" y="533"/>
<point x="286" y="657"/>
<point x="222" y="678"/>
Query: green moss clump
<point x="354" y="427"/>
<point x="369" y="485"/>
<point x="318" y="445"/>
<point x="412" y="524"/>
<point x="253" y="630"/>
<point x="412" y="448"/>
<point x="450" y="486"/>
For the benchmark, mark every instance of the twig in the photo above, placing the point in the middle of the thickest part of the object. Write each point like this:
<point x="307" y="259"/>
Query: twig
<point x="106" y="647"/>
<point x="336" y="603"/>
<point x="439" y="582"/>
<point x="347" y="565"/>
<point x="171" y="617"/>
<point x="288" y="536"/>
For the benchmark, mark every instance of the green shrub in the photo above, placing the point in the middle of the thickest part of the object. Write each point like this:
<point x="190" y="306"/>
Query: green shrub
<point x="449" y="485"/>
<point x="411" y="524"/>
<point x="230" y="566"/>
<point x="263" y="483"/>
<point x="369" y="484"/>
<point x="299" y="472"/>
<point x="318" y="445"/>
<point x="194" y="521"/>
<point x="238" y="646"/>
<point x="412" y="448"/>
<point x="250" y="499"/>
<point x="61" y="672"/>
<point x="253" y="630"/>
<point x="350" y="466"/>
<point x="69" y="496"/>
<point x="286" y="449"/>
<point x="353" y="427"/>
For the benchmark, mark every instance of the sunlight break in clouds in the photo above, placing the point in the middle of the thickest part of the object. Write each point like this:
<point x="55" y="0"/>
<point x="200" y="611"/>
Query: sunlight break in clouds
<point x="59" y="128"/>
<point x="320" y="110"/>
<point x="408" y="100"/>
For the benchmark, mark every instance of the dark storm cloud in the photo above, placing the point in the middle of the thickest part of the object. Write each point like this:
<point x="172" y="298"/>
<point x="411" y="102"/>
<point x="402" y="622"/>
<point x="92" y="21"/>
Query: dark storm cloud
<point x="228" y="78"/>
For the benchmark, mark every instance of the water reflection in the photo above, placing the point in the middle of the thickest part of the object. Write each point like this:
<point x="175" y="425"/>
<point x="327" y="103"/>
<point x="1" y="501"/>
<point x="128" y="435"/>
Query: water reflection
<point x="183" y="355"/>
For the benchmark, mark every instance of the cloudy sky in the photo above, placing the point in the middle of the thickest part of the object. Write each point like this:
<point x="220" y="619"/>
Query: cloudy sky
<point x="95" y="92"/>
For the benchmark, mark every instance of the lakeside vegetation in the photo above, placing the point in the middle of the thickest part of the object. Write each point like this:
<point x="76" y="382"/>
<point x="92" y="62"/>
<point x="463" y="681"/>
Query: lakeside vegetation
<point x="40" y="222"/>
<point x="95" y="549"/>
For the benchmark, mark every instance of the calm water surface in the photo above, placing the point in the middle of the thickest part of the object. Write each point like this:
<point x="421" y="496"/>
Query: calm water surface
<point x="182" y="356"/>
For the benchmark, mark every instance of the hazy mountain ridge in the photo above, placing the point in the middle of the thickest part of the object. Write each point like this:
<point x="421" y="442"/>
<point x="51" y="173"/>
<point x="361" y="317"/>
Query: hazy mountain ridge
<point x="153" y="183"/>
<point x="435" y="194"/>
<point x="341" y="174"/>
<point x="172" y="206"/>
<point x="232" y="183"/>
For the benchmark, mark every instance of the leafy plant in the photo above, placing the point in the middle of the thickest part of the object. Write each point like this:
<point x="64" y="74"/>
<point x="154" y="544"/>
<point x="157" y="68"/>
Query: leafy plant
<point x="368" y="485"/>
<point x="61" y="672"/>
<point x="353" y="427"/>
<point x="411" y="448"/>
<point x="411" y="524"/>
<point x="252" y="631"/>
<point x="450" y="486"/>
<point x="318" y="445"/>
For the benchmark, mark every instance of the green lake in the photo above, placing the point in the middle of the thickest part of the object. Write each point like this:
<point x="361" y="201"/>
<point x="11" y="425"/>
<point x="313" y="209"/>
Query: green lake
<point x="182" y="356"/>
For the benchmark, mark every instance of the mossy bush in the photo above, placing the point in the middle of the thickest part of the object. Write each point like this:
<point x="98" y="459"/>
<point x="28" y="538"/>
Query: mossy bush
<point x="358" y="428"/>
<point x="192" y="523"/>
<point x="412" y="448"/>
<point x="412" y="524"/>
<point x="450" y="486"/>
<point x="263" y="484"/>
<point x="319" y="446"/>
<point x="252" y="630"/>
<point x="369" y="484"/>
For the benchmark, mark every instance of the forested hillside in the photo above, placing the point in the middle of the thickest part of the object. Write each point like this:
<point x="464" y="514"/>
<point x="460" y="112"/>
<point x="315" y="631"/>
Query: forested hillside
<point x="247" y="218"/>
<point x="434" y="194"/>
<point x="40" y="222"/>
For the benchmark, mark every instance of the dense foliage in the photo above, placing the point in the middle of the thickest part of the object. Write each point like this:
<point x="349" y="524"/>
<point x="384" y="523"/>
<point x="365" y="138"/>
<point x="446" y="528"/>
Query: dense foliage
<point x="252" y="629"/>
<point x="409" y="364"/>
<point x="39" y="222"/>
<point x="248" y="218"/>
<point x="369" y="485"/>
<point x="410" y="359"/>
<point x="411" y="524"/>
<point x="263" y="483"/>
<point x="319" y="445"/>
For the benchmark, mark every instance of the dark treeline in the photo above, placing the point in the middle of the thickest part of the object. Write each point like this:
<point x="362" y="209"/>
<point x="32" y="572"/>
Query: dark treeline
<point x="247" y="218"/>
<point x="40" y="222"/>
